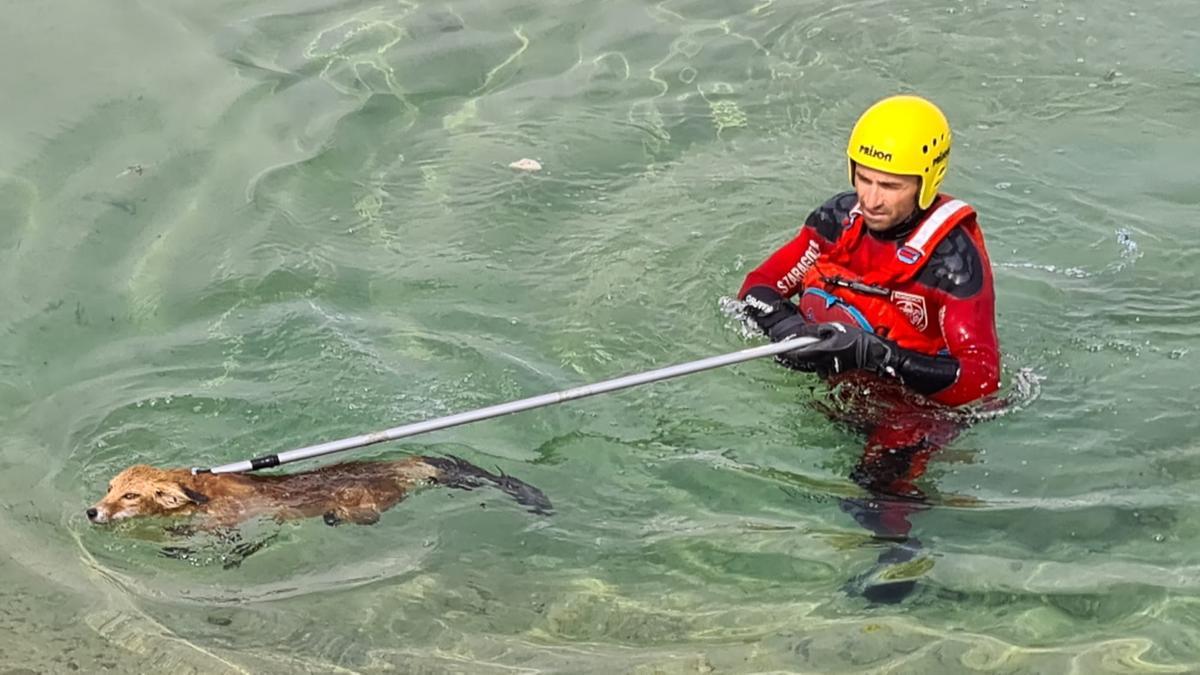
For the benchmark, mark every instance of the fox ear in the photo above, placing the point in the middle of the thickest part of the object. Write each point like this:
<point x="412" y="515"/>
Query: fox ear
<point x="174" y="496"/>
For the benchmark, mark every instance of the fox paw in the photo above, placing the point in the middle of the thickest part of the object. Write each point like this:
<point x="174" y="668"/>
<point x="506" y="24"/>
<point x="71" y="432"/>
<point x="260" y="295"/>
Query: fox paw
<point x="358" y="516"/>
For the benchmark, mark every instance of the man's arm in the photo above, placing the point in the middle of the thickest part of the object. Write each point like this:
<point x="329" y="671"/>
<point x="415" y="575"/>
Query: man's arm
<point x="960" y="272"/>
<point x="969" y="328"/>
<point x="768" y="287"/>
<point x="783" y="272"/>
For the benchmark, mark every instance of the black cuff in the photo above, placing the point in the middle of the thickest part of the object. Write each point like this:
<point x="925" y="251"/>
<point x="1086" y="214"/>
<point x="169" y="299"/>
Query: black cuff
<point x="767" y="307"/>
<point x="926" y="374"/>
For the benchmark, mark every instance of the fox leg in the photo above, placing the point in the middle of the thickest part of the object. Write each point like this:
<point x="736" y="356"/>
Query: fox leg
<point x="361" y="505"/>
<point x="359" y="515"/>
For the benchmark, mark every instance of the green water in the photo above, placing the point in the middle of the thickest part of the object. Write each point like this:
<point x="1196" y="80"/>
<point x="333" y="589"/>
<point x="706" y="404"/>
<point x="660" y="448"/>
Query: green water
<point x="232" y="228"/>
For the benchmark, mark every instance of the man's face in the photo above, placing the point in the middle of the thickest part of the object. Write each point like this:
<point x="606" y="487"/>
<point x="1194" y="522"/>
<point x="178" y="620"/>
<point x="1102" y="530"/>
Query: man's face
<point x="886" y="199"/>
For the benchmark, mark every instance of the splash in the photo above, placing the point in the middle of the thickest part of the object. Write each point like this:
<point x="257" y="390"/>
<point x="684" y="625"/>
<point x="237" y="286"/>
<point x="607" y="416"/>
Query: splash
<point x="735" y="311"/>
<point x="1129" y="249"/>
<point x="1128" y="254"/>
<point x="1026" y="388"/>
<point x="1070" y="272"/>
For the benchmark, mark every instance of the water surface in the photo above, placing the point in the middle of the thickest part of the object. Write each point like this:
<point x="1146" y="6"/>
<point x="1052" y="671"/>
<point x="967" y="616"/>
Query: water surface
<point x="235" y="228"/>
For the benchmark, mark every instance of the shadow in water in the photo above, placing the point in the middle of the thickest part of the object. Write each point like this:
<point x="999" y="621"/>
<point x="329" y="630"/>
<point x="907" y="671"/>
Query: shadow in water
<point x="225" y="545"/>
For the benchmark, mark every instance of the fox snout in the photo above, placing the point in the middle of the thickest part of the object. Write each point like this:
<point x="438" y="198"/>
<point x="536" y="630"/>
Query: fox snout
<point x="109" y="509"/>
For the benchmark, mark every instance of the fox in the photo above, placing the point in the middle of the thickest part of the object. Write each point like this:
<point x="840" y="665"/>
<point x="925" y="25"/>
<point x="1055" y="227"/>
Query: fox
<point x="349" y="492"/>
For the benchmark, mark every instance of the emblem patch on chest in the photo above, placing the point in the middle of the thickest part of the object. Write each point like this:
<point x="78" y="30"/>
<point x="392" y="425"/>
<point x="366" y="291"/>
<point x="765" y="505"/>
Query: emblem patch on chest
<point x="913" y="307"/>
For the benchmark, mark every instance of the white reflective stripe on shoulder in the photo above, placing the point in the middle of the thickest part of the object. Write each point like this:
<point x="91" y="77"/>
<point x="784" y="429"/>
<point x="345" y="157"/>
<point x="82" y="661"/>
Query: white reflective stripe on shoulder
<point x="933" y="223"/>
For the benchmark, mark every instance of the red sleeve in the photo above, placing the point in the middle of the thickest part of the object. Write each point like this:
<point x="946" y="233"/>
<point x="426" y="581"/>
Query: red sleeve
<point x="784" y="269"/>
<point x="969" y="328"/>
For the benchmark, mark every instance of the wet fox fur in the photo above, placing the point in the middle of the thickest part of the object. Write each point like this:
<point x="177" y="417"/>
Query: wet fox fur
<point x="352" y="492"/>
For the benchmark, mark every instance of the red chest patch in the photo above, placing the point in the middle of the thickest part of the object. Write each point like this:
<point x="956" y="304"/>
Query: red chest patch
<point x="913" y="307"/>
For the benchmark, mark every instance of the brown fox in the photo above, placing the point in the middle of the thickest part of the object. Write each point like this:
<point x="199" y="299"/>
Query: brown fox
<point x="351" y="492"/>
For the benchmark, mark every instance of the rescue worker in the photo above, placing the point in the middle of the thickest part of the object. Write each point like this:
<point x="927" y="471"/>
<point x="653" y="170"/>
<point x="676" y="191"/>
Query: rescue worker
<point x="895" y="280"/>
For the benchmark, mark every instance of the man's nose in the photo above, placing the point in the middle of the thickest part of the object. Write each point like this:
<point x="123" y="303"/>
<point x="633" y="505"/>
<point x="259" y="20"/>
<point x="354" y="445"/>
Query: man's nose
<point x="870" y="197"/>
<point x="91" y="513"/>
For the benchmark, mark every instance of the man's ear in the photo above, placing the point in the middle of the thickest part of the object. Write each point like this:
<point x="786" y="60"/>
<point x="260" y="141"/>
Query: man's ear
<point x="174" y="496"/>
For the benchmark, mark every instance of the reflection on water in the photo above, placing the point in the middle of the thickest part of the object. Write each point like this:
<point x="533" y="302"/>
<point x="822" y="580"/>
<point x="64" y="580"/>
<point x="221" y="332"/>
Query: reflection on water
<point x="236" y="229"/>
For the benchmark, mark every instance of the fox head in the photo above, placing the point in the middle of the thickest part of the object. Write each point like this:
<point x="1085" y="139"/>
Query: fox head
<point x="144" y="490"/>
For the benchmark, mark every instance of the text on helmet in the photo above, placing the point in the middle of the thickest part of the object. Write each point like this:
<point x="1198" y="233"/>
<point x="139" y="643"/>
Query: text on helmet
<point x="870" y="151"/>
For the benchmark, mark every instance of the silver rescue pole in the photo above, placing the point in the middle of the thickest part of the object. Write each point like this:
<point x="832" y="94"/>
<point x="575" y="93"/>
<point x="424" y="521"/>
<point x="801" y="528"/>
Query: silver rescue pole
<point x="489" y="412"/>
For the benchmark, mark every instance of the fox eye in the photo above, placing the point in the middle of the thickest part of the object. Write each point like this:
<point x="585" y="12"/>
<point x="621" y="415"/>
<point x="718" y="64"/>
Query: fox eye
<point x="129" y="495"/>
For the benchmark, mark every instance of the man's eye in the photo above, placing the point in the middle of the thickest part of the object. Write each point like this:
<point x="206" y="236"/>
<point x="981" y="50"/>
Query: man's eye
<point x="130" y="495"/>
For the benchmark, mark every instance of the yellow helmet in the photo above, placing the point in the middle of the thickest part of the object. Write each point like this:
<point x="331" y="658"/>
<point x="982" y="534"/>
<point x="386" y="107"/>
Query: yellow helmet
<point x="905" y="135"/>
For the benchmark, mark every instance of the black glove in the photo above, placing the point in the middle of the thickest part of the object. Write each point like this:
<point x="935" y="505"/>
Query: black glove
<point x="779" y="319"/>
<point x="790" y="327"/>
<point x="843" y="348"/>
<point x="767" y="308"/>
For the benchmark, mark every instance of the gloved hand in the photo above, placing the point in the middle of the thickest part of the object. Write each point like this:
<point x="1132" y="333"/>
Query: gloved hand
<point x="767" y="308"/>
<point x="779" y="319"/>
<point x="788" y="328"/>
<point x="842" y="348"/>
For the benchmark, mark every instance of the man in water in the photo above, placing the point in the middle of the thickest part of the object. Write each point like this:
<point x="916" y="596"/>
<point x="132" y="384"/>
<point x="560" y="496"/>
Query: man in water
<point x="895" y="280"/>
